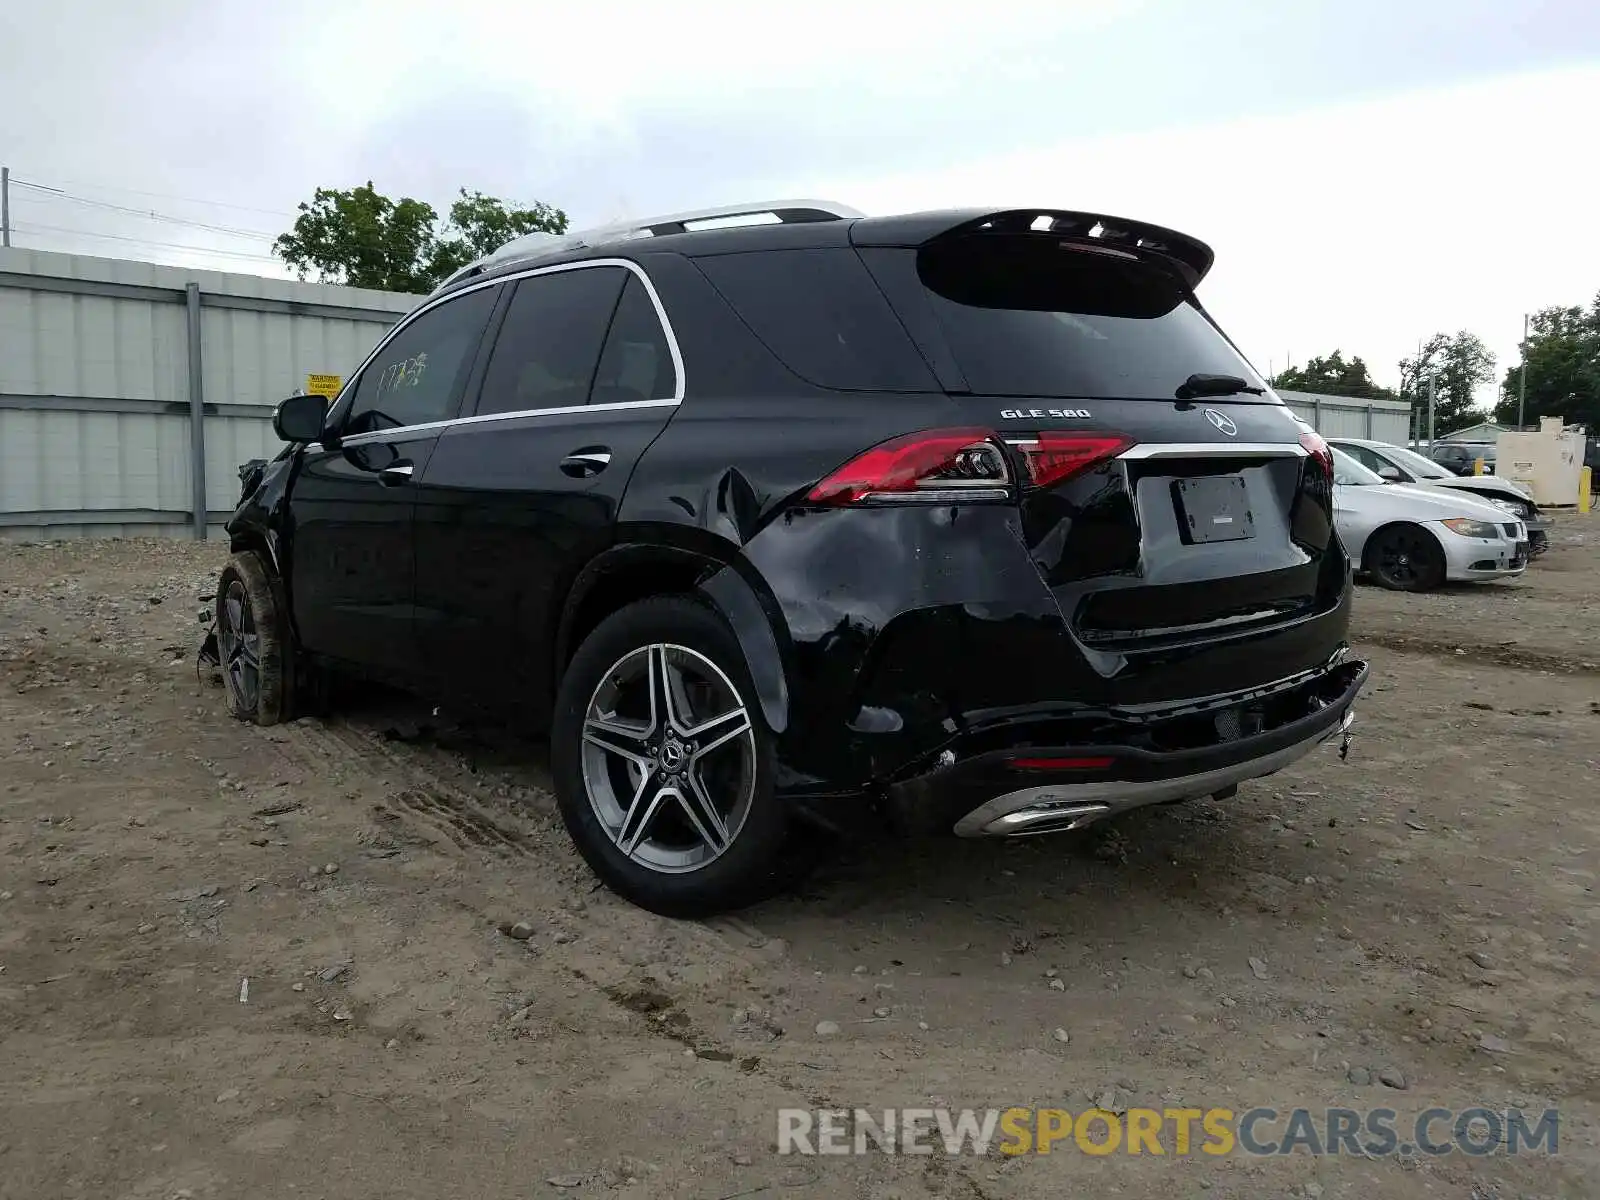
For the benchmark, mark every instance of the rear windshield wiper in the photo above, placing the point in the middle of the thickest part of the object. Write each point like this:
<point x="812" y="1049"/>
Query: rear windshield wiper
<point x="1214" y="385"/>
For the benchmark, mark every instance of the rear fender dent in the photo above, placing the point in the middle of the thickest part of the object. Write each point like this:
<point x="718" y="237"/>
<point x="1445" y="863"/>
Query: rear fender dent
<point x="732" y="597"/>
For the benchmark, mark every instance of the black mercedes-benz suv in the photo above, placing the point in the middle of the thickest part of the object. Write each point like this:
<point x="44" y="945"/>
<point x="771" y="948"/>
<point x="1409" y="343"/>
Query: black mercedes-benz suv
<point x="960" y="521"/>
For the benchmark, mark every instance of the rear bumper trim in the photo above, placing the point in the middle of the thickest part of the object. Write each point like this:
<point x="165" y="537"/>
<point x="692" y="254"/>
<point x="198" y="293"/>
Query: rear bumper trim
<point x="1151" y="762"/>
<point x="1058" y="807"/>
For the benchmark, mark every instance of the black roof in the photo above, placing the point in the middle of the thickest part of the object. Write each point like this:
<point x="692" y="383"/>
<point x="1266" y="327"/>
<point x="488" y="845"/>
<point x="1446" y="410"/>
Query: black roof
<point x="1190" y="256"/>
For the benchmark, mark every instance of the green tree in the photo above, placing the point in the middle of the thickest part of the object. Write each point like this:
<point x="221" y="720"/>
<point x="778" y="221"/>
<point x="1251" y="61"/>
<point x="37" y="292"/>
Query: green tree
<point x="361" y="238"/>
<point x="1458" y="364"/>
<point x="481" y="224"/>
<point x="1333" y="376"/>
<point x="1562" y="358"/>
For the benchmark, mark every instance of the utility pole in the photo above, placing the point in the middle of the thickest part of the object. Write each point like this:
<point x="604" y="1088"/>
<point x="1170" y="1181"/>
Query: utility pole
<point x="1431" y="391"/>
<point x="1416" y="393"/>
<point x="1522" y="375"/>
<point x="5" y="206"/>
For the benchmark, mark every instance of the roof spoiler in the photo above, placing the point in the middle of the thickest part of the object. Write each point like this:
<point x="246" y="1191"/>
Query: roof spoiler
<point x="1191" y="257"/>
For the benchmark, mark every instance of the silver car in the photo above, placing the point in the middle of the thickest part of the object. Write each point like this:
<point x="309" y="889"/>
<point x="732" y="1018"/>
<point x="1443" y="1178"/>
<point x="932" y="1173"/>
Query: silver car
<point x="1399" y="465"/>
<point x="1415" y="538"/>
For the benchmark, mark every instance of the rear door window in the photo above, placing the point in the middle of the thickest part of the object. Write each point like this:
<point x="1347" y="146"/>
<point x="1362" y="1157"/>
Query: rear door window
<point x="822" y="315"/>
<point x="1031" y="315"/>
<point x="549" y="344"/>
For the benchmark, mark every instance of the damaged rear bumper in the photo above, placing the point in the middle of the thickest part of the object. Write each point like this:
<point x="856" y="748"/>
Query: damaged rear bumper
<point x="1028" y="785"/>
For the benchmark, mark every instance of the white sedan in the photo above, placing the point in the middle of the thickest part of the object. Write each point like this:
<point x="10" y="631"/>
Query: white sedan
<point x="1413" y="539"/>
<point x="1399" y="465"/>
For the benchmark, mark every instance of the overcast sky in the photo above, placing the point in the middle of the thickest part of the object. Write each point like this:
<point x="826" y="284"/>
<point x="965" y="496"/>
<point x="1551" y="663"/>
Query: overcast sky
<point x="1369" y="171"/>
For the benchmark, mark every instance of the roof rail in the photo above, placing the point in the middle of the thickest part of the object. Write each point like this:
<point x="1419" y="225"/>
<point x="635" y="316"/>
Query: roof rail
<point x="788" y="212"/>
<point x="532" y="245"/>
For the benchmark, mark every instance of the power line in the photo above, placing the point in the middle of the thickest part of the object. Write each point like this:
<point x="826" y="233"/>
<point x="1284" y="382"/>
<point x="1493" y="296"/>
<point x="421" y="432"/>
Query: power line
<point x="30" y="227"/>
<point x="104" y="187"/>
<point x="148" y="214"/>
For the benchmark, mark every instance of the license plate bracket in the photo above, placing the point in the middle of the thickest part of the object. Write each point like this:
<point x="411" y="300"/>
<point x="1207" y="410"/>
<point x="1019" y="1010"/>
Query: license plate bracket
<point x="1214" y="508"/>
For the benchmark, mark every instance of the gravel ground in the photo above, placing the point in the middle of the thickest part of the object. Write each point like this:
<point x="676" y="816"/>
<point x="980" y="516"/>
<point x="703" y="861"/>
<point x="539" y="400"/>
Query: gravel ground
<point x="238" y="962"/>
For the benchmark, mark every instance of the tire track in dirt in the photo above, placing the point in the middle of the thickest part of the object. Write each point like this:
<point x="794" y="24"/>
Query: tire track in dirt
<point x="421" y="795"/>
<point x="1505" y="654"/>
<point x="613" y="938"/>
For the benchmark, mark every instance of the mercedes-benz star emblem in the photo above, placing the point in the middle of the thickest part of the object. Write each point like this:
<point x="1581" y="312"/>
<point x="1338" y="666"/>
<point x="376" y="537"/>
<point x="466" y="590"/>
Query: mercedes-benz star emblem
<point x="1222" y="421"/>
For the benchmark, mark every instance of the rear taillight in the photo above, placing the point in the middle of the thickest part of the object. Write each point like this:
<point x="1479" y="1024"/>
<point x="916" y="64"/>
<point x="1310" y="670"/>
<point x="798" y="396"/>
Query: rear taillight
<point x="1321" y="453"/>
<point x="942" y="466"/>
<point x="1053" y="458"/>
<point x="937" y="466"/>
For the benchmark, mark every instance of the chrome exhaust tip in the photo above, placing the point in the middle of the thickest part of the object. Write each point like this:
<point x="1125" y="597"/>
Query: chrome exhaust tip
<point x="1044" y="818"/>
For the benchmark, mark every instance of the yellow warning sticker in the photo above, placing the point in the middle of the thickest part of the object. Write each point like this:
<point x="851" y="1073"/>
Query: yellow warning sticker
<point x="324" y="385"/>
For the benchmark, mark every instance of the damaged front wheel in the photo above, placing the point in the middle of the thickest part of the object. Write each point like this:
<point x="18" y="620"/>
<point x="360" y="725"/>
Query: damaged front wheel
<point x="252" y="642"/>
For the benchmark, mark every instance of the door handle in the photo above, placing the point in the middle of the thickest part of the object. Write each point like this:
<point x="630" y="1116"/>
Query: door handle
<point x="396" y="474"/>
<point x="585" y="463"/>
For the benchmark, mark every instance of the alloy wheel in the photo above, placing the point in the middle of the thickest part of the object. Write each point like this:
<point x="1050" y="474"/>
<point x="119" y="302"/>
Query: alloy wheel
<point x="669" y="758"/>
<point x="240" y="648"/>
<point x="1404" y="557"/>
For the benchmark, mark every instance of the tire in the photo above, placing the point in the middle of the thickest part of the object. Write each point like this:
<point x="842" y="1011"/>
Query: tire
<point x="253" y="642"/>
<point x="1405" y="558"/>
<point x="633" y="808"/>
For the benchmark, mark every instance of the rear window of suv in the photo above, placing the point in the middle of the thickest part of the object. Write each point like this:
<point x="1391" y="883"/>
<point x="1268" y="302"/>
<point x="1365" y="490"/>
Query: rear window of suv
<point x="1029" y="315"/>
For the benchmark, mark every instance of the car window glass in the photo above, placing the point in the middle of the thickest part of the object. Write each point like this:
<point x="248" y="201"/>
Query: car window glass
<point x="636" y="363"/>
<point x="1415" y="463"/>
<point x="1349" y="472"/>
<point x="547" y="349"/>
<point x="1365" y="456"/>
<point x="416" y="378"/>
<point x="1025" y="315"/>
<point x="822" y="316"/>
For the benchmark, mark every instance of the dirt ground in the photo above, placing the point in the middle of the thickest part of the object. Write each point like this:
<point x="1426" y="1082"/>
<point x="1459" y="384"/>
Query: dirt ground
<point x="245" y="963"/>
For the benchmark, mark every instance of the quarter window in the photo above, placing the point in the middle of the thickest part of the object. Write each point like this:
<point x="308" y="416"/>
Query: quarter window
<point x="417" y="377"/>
<point x="821" y="315"/>
<point x="636" y="363"/>
<point x="549" y="345"/>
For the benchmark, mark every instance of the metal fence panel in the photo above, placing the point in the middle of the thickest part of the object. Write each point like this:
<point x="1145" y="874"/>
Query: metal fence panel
<point x="259" y="358"/>
<point x="97" y="424"/>
<point x="1351" y="417"/>
<point x="56" y="461"/>
<point x="229" y="442"/>
<point x="53" y="343"/>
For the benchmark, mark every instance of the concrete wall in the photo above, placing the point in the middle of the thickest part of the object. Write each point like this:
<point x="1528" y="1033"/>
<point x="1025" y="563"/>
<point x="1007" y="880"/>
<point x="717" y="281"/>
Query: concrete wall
<point x="98" y="385"/>
<point x="1348" y="417"/>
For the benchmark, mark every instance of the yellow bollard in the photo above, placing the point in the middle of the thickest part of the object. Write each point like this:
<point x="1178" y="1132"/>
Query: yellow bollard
<point x="1585" y="496"/>
<point x="1477" y="466"/>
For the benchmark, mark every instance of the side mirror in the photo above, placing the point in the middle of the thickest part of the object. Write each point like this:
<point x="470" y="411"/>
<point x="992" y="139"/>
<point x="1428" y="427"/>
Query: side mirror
<point x="1392" y="474"/>
<point x="300" y="418"/>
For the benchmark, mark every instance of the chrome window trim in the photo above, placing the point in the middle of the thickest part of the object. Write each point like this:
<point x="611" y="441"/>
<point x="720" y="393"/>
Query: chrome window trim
<point x="389" y="435"/>
<point x="429" y="305"/>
